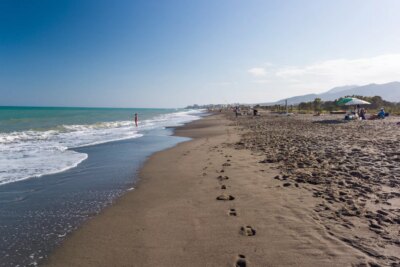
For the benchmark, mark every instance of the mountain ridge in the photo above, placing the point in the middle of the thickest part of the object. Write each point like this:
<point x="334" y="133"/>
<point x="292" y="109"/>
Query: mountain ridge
<point x="388" y="91"/>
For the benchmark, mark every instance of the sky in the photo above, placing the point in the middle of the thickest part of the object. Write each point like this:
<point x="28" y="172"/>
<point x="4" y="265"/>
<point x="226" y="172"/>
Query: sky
<point x="103" y="53"/>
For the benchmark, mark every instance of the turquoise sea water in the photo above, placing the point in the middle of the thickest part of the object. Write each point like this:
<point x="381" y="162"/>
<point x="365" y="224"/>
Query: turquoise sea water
<point x="36" y="141"/>
<point x="61" y="166"/>
<point x="44" y="118"/>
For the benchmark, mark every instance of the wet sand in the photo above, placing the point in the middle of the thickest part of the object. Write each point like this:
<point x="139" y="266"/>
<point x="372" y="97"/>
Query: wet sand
<point x="37" y="214"/>
<point x="229" y="198"/>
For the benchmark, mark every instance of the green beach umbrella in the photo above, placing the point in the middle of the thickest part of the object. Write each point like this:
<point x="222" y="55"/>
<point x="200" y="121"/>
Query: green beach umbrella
<point x="356" y="101"/>
<point x="344" y="100"/>
<point x="350" y="101"/>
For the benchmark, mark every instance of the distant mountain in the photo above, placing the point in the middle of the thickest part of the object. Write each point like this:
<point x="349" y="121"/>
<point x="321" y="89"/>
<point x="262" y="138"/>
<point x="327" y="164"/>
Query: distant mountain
<point x="341" y="89"/>
<point x="295" y="100"/>
<point x="388" y="91"/>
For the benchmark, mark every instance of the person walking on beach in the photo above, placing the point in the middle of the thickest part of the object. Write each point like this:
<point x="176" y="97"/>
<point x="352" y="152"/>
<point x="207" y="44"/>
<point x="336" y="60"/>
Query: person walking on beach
<point x="136" y="119"/>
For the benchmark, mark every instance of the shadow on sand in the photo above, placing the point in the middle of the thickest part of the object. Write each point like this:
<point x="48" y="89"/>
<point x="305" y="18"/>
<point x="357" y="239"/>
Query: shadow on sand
<point x="331" y="122"/>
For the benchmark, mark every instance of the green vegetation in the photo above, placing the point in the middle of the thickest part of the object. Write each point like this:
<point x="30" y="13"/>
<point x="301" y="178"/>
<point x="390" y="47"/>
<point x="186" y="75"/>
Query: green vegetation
<point x="328" y="106"/>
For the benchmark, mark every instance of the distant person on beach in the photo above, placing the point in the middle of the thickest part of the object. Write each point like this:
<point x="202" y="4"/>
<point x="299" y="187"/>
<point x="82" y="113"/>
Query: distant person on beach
<point x="362" y="113"/>
<point x="381" y="113"/>
<point x="136" y="119"/>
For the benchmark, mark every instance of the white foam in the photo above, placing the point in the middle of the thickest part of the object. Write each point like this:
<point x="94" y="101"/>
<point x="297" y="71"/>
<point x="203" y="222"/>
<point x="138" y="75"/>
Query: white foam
<point x="28" y="154"/>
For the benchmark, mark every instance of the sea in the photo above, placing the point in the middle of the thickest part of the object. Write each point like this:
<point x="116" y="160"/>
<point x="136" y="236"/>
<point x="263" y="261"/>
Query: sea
<point x="60" y="166"/>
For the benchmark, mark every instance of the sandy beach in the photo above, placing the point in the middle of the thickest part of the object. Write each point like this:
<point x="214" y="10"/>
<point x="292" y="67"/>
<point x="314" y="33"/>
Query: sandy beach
<point x="264" y="191"/>
<point x="200" y="133"/>
<point x="351" y="168"/>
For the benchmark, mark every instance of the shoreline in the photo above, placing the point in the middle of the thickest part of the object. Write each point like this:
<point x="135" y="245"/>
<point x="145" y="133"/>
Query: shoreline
<point x="38" y="214"/>
<point x="178" y="131"/>
<point x="173" y="216"/>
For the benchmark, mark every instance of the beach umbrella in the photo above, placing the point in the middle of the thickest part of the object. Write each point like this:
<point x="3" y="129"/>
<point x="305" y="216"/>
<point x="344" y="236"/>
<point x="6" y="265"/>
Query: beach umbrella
<point x="344" y="100"/>
<point x="356" y="101"/>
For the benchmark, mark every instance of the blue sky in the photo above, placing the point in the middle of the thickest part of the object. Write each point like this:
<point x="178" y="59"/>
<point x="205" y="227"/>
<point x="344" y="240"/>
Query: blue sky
<point x="175" y="53"/>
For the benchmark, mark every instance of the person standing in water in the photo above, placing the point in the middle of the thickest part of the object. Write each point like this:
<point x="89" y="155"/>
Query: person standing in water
<point x="136" y="119"/>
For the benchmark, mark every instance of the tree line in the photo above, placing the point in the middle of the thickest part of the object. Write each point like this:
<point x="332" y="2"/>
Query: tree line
<point x="328" y="106"/>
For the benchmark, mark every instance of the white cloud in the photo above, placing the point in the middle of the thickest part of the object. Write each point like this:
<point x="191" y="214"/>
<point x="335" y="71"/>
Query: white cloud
<point x="273" y="82"/>
<point x="257" y="72"/>
<point x="261" y="81"/>
<point x="327" y="74"/>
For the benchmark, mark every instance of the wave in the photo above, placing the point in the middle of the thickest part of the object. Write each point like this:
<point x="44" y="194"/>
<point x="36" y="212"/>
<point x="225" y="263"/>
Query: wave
<point x="28" y="154"/>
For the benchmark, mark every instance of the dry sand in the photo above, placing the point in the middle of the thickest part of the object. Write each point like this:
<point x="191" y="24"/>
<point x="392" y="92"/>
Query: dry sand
<point x="209" y="202"/>
<point x="352" y="168"/>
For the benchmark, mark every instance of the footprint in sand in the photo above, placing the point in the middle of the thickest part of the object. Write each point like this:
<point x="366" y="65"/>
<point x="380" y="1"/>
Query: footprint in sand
<point x="241" y="261"/>
<point x="222" y="178"/>
<point x="223" y="187"/>
<point x="232" y="212"/>
<point x="247" y="230"/>
<point x="226" y="164"/>
<point x="225" y="197"/>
